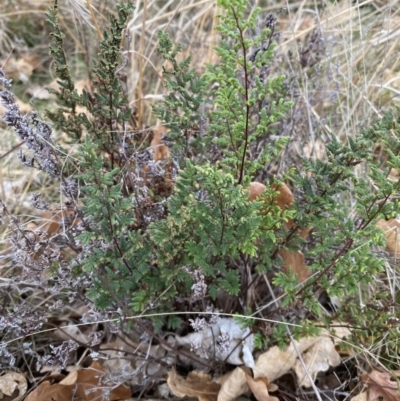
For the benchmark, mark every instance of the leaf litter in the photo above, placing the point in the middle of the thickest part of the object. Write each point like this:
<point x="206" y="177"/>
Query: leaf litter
<point x="318" y="353"/>
<point x="88" y="384"/>
<point x="13" y="384"/>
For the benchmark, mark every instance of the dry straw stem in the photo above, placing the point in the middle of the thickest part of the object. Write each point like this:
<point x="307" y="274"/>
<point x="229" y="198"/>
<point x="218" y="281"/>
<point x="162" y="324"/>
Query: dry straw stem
<point x="16" y="184"/>
<point x="353" y="87"/>
<point x="188" y="22"/>
<point x="99" y="35"/>
<point x="358" y="72"/>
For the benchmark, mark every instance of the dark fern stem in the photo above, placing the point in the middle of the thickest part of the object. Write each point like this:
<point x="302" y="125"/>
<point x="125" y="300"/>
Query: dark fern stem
<point x="246" y="98"/>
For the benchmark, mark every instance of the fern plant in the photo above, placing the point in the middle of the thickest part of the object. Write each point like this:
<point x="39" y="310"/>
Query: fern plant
<point x="247" y="100"/>
<point x="180" y="110"/>
<point x="211" y="225"/>
<point x="125" y="249"/>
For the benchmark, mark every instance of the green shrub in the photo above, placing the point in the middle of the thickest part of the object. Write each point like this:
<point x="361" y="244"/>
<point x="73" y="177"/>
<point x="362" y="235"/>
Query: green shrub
<point x="125" y="247"/>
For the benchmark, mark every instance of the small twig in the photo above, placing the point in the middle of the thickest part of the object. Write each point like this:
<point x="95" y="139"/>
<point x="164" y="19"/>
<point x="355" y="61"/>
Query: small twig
<point x="12" y="150"/>
<point x="246" y="85"/>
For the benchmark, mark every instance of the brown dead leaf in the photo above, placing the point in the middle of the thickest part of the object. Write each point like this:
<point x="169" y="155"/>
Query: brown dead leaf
<point x="272" y="364"/>
<point x="154" y="366"/>
<point x="276" y="362"/>
<point x="197" y="384"/>
<point x="85" y="385"/>
<point x="11" y="383"/>
<point x="341" y="331"/>
<point x="259" y="386"/>
<point x="233" y="385"/>
<point x="392" y="233"/>
<point x="93" y="378"/>
<point x="125" y="344"/>
<point x="381" y="385"/>
<point x="255" y="191"/>
<point x="71" y="379"/>
<point x="48" y="392"/>
<point x="80" y="334"/>
<point x="292" y="260"/>
<point x="361" y="397"/>
<point x="318" y="358"/>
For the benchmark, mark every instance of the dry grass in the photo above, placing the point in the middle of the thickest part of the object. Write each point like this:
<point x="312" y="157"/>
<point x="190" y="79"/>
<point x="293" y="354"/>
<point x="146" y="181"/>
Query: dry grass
<point x="358" y="73"/>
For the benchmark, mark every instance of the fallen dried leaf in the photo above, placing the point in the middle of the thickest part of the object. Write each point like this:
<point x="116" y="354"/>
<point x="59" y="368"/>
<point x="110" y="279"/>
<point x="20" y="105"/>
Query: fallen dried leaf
<point x="154" y="365"/>
<point x="274" y="363"/>
<point x="12" y="382"/>
<point x="259" y="386"/>
<point x="197" y="384"/>
<point x="381" y="385"/>
<point x="292" y="260"/>
<point x="233" y="385"/>
<point x="85" y="385"/>
<point x="80" y="334"/>
<point x="271" y="364"/>
<point x="72" y="378"/>
<point x="48" y="392"/>
<point x="392" y="234"/>
<point x="318" y="358"/>
<point x="361" y="397"/>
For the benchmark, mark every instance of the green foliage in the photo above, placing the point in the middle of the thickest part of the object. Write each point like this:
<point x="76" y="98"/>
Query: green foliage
<point x="204" y="233"/>
<point x="240" y="115"/>
<point x="207" y="243"/>
<point x="344" y="234"/>
<point x="260" y="341"/>
<point x="67" y="96"/>
<point x="180" y="109"/>
<point x="112" y="246"/>
<point x="107" y="104"/>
